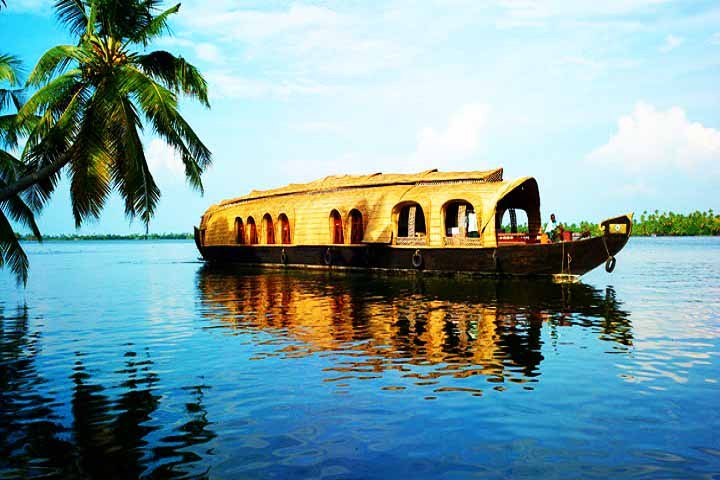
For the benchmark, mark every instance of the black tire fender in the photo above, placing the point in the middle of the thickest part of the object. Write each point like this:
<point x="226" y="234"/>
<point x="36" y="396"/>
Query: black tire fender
<point x="283" y="257"/>
<point x="610" y="264"/>
<point x="328" y="257"/>
<point x="417" y="259"/>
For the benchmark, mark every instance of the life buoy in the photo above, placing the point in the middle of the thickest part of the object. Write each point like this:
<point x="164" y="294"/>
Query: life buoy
<point x="328" y="258"/>
<point x="283" y="257"/>
<point x="417" y="259"/>
<point x="610" y="264"/>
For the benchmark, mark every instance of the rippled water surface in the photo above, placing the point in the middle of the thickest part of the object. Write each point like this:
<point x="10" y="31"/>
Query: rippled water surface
<point x="133" y="359"/>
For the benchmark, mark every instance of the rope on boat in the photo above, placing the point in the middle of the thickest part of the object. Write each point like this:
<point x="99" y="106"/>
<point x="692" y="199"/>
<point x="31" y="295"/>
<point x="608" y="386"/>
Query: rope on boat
<point x="611" y="261"/>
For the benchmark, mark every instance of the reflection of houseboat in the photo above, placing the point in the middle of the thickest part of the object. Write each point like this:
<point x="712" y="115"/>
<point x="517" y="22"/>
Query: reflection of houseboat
<point x="431" y="221"/>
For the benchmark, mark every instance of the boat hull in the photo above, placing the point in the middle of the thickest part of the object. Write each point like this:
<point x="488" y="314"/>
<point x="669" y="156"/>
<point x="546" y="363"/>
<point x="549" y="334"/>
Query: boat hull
<point x="567" y="258"/>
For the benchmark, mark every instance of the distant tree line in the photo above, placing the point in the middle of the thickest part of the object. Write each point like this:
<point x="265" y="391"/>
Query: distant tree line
<point x="657" y="223"/>
<point x="107" y="236"/>
<point x="671" y="224"/>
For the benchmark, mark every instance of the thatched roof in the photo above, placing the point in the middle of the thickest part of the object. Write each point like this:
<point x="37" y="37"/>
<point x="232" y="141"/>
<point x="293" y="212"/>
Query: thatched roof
<point x="342" y="182"/>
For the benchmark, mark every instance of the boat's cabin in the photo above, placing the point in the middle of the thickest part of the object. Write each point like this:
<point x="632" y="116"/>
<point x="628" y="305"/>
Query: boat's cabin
<point x="460" y="212"/>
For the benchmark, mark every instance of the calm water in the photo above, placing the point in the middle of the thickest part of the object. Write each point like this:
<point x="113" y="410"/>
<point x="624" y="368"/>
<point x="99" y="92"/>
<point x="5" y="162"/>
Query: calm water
<point x="132" y="359"/>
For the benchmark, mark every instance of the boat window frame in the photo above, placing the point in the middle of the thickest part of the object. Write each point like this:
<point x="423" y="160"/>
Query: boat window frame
<point x="239" y="231"/>
<point x="397" y="215"/>
<point x="251" y="231"/>
<point x="352" y="217"/>
<point x="462" y="232"/>
<point x="268" y="229"/>
<point x="282" y="221"/>
<point x="336" y="229"/>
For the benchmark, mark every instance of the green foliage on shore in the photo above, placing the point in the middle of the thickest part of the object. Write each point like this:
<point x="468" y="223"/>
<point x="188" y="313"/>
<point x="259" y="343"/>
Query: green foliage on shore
<point x="677" y="224"/>
<point x="108" y="236"/>
<point x="661" y="224"/>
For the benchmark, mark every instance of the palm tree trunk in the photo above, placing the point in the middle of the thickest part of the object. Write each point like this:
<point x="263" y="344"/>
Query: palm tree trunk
<point x="29" y="180"/>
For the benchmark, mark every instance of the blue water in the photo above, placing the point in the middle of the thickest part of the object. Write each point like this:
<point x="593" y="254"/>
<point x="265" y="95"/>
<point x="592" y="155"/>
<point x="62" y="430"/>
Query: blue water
<point x="133" y="359"/>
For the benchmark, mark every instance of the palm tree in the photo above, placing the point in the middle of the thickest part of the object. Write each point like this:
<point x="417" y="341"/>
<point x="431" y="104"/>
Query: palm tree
<point x="93" y="100"/>
<point x="11" y="253"/>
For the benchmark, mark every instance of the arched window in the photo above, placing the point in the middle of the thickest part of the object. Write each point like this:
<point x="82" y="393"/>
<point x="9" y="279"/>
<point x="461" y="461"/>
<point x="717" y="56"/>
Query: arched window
<point x="252" y="231"/>
<point x="239" y="231"/>
<point x="411" y="229"/>
<point x="336" y="227"/>
<point x="460" y="219"/>
<point x="269" y="229"/>
<point x="284" y="229"/>
<point x="356" y="226"/>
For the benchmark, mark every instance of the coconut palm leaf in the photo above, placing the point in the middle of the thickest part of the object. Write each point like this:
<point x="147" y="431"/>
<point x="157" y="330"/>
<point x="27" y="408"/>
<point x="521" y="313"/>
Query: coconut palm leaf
<point x="175" y="73"/>
<point x="56" y="60"/>
<point x="131" y="174"/>
<point x="72" y="14"/>
<point x="156" y="27"/>
<point x="11" y="253"/>
<point x="10" y="68"/>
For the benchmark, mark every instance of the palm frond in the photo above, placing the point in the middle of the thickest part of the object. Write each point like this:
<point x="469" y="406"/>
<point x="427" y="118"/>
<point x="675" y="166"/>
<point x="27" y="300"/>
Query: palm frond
<point x="55" y="61"/>
<point x="10" y="69"/>
<point x="50" y="100"/>
<point x="11" y="96"/>
<point x="160" y="107"/>
<point x="11" y="252"/>
<point x="131" y="174"/>
<point x="175" y="73"/>
<point x="156" y="27"/>
<point x="72" y="14"/>
<point x="51" y="137"/>
<point x="89" y="175"/>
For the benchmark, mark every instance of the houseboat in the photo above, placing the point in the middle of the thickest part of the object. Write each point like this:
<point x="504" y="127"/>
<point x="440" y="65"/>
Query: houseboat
<point x="442" y="222"/>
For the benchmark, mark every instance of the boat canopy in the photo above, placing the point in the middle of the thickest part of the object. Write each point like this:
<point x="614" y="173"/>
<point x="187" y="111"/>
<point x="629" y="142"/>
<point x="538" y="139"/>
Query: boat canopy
<point x="429" y="208"/>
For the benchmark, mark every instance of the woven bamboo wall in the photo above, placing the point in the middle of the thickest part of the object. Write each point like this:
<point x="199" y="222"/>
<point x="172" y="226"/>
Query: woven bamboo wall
<point x="309" y="213"/>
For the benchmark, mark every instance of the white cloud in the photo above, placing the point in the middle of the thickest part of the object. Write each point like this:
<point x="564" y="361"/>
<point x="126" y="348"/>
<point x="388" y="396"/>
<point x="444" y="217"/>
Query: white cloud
<point x="452" y="146"/>
<point x="318" y="127"/>
<point x="671" y="43"/>
<point x="206" y="51"/>
<point x="580" y="8"/>
<point x="655" y="142"/>
<point x="163" y="160"/>
<point x="715" y="38"/>
<point x="255" y="25"/>
<point x="32" y="6"/>
<point x="227" y="85"/>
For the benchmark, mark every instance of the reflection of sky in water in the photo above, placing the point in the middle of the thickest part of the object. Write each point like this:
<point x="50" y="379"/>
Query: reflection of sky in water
<point x="131" y="358"/>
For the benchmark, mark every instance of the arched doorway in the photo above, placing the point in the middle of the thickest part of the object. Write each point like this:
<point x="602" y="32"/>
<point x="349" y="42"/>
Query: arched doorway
<point x="411" y="227"/>
<point x="356" y="226"/>
<point x="336" y="228"/>
<point x="269" y="227"/>
<point x="252" y="231"/>
<point x="239" y="231"/>
<point x="459" y="221"/>
<point x="284" y="229"/>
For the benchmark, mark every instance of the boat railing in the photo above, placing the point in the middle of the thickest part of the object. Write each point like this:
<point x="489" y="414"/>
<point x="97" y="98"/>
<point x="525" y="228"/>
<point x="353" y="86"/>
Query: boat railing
<point x="516" y="238"/>
<point x="411" y="241"/>
<point x="462" y="242"/>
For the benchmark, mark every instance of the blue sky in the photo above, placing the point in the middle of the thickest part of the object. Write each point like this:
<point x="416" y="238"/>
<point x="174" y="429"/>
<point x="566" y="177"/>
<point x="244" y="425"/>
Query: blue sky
<point x="614" y="106"/>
